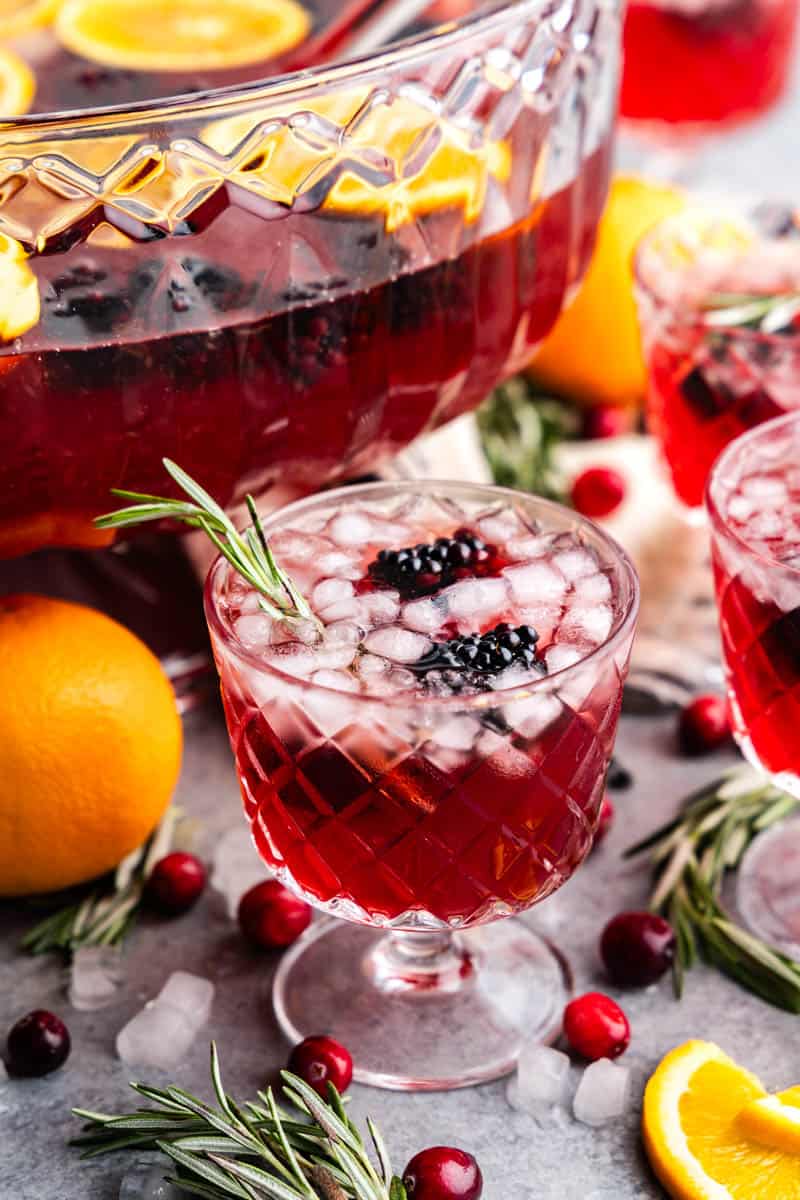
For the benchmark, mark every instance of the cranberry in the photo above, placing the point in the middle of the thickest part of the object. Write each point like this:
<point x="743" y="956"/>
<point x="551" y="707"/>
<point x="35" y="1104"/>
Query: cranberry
<point x="605" y="820"/>
<point x="606" y="421"/>
<point x="443" y="1173"/>
<point x="319" y="1061"/>
<point x="637" y="948"/>
<point x="598" y="491"/>
<point x="271" y="917"/>
<point x="175" y="883"/>
<point x="596" y="1027"/>
<point x="704" y="725"/>
<point x="38" y="1044"/>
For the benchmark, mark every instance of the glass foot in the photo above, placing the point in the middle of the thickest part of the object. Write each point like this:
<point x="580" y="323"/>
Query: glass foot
<point x="767" y="892"/>
<point x="423" y="1011"/>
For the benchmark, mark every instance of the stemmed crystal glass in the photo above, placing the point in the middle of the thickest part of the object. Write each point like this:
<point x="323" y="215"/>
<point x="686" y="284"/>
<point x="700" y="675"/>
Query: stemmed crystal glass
<point x="421" y="819"/>
<point x="754" y="505"/>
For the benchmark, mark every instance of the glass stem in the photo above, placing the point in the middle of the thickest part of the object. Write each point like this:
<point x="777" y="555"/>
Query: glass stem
<point x="420" y="961"/>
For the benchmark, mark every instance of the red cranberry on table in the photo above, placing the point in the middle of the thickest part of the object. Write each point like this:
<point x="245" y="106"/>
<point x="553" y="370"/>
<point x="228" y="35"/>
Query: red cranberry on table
<point x="175" y="883"/>
<point x="443" y="1173"/>
<point x="637" y="948"/>
<point x="598" y="491"/>
<point x="321" y="1060"/>
<point x="704" y="725"/>
<point x="271" y="917"/>
<point x="596" y="1027"/>
<point x="38" y="1044"/>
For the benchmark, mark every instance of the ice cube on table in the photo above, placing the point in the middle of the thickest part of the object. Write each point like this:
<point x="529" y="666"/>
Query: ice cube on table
<point x="536" y="582"/>
<point x="397" y="644"/>
<point x="144" y="1180"/>
<point x="190" y="994"/>
<point x="603" y="1093"/>
<point x="95" y="976"/>
<point x="158" y="1036"/>
<point x="236" y="867"/>
<point x="542" y="1077"/>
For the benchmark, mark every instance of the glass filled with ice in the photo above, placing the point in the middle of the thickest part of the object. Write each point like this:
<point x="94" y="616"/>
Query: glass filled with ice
<point x="429" y="758"/>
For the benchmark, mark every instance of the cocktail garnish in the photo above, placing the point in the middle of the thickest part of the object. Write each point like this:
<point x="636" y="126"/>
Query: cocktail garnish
<point x="691" y="856"/>
<point x="475" y="659"/>
<point x="251" y="1149"/>
<point x="750" y="310"/>
<point x="426" y="567"/>
<point x="248" y="553"/>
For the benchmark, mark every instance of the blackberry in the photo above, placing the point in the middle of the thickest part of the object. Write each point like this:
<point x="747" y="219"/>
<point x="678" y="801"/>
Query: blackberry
<point x="421" y="569"/>
<point x="706" y="401"/>
<point x="471" y="661"/>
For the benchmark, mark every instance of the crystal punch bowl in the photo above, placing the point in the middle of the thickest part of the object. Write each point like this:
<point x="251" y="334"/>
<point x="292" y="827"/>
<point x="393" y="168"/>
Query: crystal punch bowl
<point x="277" y="283"/>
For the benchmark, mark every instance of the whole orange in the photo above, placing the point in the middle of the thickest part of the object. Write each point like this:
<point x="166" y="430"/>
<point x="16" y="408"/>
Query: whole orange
<point x="90" y="743"/>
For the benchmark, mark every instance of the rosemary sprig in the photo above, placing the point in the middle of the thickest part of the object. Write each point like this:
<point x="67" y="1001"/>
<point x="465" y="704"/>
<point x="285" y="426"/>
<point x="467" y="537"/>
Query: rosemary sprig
<point x="691" y="856"/>
<point x="751" y="310"/>
<point x="248" y="552"/>
<point x="253" y="1150"/>
<point x="106" y="915"/>
<point x="520" y="431"/>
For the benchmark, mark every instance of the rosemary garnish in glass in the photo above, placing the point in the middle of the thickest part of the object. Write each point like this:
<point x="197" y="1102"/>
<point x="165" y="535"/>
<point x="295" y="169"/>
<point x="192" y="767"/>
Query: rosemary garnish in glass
<point x="751" y="310"/>
<point x="691" y="856"/>
<point x="253" y="1150"/>
<point x="248" y="552"/>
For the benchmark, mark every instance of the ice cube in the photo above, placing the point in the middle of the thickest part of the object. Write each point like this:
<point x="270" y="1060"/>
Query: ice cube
<point x="370" y="666"/>
<point x="331" y="591"/>
<point x="769" y="488"/>
<point x="542" y="1077"/>
<point x="536" y="582"/>
<point x="381" y="607"/>
<point x="330" y="711"/>
<point x="145" y="1180"/>
<point x="190" y="994"/>
<point x="347" y="632"/>
<point x="558" y="657"/>
<point x="351" y="528"/>
<point x="398" y="644"/>
<point x="95" y="975"/>
<point x="592" y="589"/>
<point x="543" y="617"/>
<point x="529" y="546"/>
<point x="253" y="630"/>
<point x="476" y="598"/>
<point x="236" y="867"/>
<point x="160" y="1035"/>
<point x="531" y="715"/>
<point x="603" y="1093"/>
<point x="498" y="527"/>
<point x="740" y="507"/>
<point x="340" y="681"/>
<point x="302" y="630"/>
<point x="459" y="733"/>
<point x="576" y="563"/>
<point x="425" y="616"/>
<point x="588" y="625"/>
<point x="338" y="563"/>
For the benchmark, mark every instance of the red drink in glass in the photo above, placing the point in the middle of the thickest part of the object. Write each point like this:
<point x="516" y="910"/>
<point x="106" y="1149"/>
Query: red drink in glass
<point x="754" y="503"/>
<point x="690" y="65"/>
<point x="721" y="346"/>
<point x="392" y="785"/>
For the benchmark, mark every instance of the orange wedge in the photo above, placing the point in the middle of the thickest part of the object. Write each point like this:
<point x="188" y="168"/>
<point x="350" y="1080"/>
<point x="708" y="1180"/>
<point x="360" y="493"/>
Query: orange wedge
<point x="694" y="1135"/>
<point x="18" y="16"/>
<point x="17" y="85"/>
<point x="181" y="35"/>
<point x="19" y="291"/>
<point x="774" y="1121"/>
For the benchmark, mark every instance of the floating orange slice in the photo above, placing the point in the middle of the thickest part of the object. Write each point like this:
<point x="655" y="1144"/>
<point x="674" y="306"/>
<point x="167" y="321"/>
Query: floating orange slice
<point x="19" y="290"/>
<point x="181" y="35"/>
<point x="699" y="1144"/>
<point x="17" y="85"/>
<point x="18" y="16"/>
<point x="335" y="139"/>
